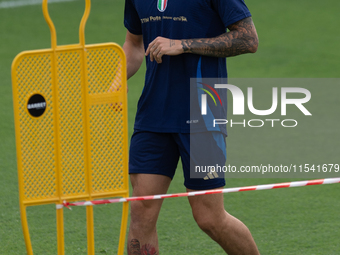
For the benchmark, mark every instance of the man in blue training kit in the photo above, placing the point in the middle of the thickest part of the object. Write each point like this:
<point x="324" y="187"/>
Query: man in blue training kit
<point x="180" y="40"/>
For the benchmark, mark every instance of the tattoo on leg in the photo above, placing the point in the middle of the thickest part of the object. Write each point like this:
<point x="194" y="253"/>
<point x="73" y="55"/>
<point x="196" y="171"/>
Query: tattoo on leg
<point x="148" y="249"/>
<point x="135" y="249"/>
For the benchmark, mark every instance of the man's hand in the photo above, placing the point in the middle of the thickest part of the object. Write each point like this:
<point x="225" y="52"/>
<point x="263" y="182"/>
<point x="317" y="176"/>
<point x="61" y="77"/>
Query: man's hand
<point x="163" y="46"/>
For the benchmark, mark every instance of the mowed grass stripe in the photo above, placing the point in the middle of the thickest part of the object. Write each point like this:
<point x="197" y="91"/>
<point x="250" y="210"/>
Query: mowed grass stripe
<point x="16" y="4"/>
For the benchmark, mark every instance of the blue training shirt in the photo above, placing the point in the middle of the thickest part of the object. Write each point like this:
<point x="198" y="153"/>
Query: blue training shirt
<point x="164" y="105"/>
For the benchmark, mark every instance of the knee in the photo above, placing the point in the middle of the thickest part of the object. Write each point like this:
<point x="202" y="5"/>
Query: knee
<point x="143" y="215"/>
<point x="207" y="223"/>
<point x="212" y="221"/>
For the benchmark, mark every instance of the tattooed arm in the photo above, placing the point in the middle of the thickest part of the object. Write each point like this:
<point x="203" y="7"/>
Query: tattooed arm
<point x="241" y="38"/>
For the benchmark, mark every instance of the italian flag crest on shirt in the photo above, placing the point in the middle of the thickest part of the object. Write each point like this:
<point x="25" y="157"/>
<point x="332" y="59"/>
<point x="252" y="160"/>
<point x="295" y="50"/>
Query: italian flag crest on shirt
<point x="161" y="5"/>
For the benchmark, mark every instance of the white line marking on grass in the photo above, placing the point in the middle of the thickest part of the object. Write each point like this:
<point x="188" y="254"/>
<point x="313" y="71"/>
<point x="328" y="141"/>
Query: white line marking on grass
<point x="15" y="4"/>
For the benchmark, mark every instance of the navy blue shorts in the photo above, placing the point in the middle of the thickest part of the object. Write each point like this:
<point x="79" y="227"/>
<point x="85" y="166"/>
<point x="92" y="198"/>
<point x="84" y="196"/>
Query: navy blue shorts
<point x="159" y="153"/>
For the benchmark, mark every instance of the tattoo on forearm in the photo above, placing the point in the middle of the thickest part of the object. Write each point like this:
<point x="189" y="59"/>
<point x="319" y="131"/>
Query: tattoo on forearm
<point x="241" y="39"/>
<point x="172" y="43"/>
<point x="135" y="249"/>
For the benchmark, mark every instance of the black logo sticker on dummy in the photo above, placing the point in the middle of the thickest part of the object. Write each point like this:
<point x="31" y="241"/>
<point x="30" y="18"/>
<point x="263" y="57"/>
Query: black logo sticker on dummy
<point x="36" y="105"/>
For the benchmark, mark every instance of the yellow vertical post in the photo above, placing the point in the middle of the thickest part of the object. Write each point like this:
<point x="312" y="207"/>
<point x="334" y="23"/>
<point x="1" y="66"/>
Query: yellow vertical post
<point x="60" y="231"/>
<point x="123" y="227"/>
<point x="90" y="230"/>
<point x="89" y="209"/>
<point x="59" y="211"/>
<point x="25" y="230"/>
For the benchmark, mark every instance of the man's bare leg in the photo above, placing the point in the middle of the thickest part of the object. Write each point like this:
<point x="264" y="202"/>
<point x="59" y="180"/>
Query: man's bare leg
<point x="230" y="233"/>
<point x="142" y="237"/>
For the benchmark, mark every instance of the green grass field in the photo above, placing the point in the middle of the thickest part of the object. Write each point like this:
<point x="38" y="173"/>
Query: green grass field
<point x="298" y="39"/>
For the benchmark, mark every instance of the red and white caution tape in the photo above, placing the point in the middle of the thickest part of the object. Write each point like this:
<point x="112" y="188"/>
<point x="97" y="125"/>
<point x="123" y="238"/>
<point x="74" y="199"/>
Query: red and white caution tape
<point x="205" y="192"/>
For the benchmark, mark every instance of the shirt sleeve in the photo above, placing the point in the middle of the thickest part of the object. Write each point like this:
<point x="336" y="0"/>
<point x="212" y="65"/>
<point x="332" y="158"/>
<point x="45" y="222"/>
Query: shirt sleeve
<point x="131" y="19"/>
<point x="231" y="11"/>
